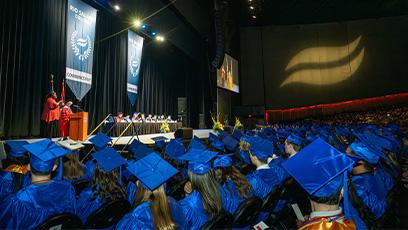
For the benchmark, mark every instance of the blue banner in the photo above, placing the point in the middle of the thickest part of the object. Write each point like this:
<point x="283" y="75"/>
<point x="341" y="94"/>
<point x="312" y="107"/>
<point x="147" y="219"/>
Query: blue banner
<point x="135" y="46"/>
<point x="80" y="47"/>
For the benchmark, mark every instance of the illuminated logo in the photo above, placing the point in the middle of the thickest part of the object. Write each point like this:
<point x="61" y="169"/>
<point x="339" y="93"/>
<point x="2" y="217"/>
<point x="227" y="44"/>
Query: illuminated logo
<point x="134" y="65"/>
<point x="324" y="65"/>
<point x="81" y="46"/>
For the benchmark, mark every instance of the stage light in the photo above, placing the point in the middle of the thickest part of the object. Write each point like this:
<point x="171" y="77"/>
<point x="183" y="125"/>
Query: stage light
<point x="144" y="26"/>
<point x="137" y="23"/>
<point x="153" y="33"/>
<point x="254" y="16"/>
<point x="160" y="38"/>
<point x="251" y="7"/>
<point x="116" y="7"/>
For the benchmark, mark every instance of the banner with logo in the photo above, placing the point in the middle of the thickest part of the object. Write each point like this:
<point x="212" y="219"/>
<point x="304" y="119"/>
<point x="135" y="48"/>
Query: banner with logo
<point x="135" y="46"/>
<point x="80" y="47"/>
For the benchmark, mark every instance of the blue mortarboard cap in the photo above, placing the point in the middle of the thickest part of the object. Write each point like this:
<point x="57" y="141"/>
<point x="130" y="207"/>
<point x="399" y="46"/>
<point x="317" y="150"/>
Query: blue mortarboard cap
<point x="222" y="161"/>
<point x="321" y="170"/>
<point x="152" y="170"/>
<point x="363" y="152"/>
<point x="244" y="155"/>
<point x="139" y="150"/>
<point x="196" y="144"/>
<point x="230" y="143"/>
<point x="16" y="148"/>
<point x="217" y="144"/>
<point x="44" y="154"/>
<point x="199" y="168"/>
<point x="250" y="133"/>
<point x="295" y="139"/>
<point x="212" y="137"/>
<point x="100" y="141"/>
<point x="175" y="149"/>
<point x="237" y="134"/>
<point x="108" y="159"/>
<point x="198" y="155"/>
<point x="260" y="147"/>
<point x="222" y="134"/>
<point x="160" y="141"/>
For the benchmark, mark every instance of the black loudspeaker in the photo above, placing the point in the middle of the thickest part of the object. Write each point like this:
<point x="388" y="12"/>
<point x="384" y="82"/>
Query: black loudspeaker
<point x="185" y="133"/>
<point x="219" y="40"/>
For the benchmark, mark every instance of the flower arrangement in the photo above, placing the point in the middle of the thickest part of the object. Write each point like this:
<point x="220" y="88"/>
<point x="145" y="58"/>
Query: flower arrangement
<point x="238" y="125"/>
<point x="164" y="128"/>
<point x="217" y="125"/>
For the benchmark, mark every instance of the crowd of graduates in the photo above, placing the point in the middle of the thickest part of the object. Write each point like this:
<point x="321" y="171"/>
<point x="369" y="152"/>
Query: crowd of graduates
<point x="339" y="176"/>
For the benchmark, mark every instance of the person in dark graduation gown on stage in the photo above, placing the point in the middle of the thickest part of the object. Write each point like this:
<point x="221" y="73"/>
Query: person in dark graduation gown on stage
<point x="204" y="201"/>
<point x="369" y="196"/>
<point x="106" y="185"/>
<point x="44" y="198"/>
<point x="323" y="172"/>
<point x="50" y="116"/>
<point x="152" y="208"/>
<point x="234" y="186"/>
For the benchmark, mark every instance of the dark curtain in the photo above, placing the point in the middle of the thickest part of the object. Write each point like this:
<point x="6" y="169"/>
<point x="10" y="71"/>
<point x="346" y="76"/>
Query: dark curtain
<point x="32" y="46"/>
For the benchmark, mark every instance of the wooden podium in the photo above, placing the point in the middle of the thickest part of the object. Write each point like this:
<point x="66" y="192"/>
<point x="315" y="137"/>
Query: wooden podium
<point x="78" y="126"/>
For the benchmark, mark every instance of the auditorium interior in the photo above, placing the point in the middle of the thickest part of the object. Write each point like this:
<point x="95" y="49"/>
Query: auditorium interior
<point x="203" y="114"/>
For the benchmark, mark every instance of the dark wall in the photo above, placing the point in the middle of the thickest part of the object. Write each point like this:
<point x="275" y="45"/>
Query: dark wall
<point x="267" y="51"/>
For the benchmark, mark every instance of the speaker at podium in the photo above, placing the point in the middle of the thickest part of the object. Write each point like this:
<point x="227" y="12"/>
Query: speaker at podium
<point x="78" y="126"/>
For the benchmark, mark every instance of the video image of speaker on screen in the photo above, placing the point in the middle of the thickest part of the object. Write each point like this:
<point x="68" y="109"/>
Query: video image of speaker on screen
<point x="227" y="74"/>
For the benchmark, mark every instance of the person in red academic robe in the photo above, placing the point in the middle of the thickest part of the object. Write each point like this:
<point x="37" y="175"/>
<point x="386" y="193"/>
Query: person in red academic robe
<point x="50" y="116"/>
<point x="65" y="114"/>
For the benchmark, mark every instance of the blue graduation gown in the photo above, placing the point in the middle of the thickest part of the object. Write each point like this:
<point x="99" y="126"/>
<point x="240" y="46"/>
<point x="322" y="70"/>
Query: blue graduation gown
<point x="230" y="197"/>
<point x="87" y="204"/>
<point x="131" y="190"/>
<point x="193" y="209"/>
<point x="89" y="169"/>
<point x="263" y="181"/>
<point x="387" y="180"/>
<point x="141" y="217"/>
<point x="7" y="186"/>
<point x="280" y="172"/>
<point x="371" y="191"/>
<point x="31" y="206"/>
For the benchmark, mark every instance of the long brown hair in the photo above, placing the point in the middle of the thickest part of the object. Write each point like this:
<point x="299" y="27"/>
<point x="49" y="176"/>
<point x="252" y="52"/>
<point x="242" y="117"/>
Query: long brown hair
<point x="106" y="185"/>
<point x="160" y="207"/>
<point x="209" y="190"/>
<point x="240" y="182"/>
<point x="72" y="169"/>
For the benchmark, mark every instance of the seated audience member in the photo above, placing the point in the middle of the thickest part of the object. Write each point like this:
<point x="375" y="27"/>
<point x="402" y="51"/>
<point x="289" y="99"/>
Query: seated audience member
<point x="367" y="193"/>
<point x="152" y="209"/>
<point x="106" y="185"/>
<point x="204" y="201"/>
<point x="293" y="144"/>
<point x="263" y="179"/>
<point x="44" y="198"/>
<point x="323" y="171"/>
<point x="136" y="116"/>
<point x="15" y="175"/>
<point x="149" y="118"/>
<point x="73" y="169"/>
<point x="235" y="188"/>
<point x="119" y="117"/>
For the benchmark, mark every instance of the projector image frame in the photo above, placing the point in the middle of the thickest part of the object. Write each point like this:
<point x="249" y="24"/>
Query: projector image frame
<point x="228" y="74"/>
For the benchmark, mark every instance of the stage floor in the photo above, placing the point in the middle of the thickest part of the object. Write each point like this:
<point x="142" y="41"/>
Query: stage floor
<point x="145" y="139"/>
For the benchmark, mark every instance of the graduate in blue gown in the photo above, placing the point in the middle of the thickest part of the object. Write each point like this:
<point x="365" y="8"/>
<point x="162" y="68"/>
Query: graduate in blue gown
<point x="106" y="185"/>
<point x="152" y="208"/>
<point x="205" y="201"/>
<point x="235" y="188"/>
<point x="73" y="169"/>
<point x="368" y="194"/>
<point x="44" y="198"/>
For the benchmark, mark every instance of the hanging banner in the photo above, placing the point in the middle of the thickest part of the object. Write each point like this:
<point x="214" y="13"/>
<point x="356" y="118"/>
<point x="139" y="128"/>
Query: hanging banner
<point x="80" y="47"/>
<point x="135" y="46"/>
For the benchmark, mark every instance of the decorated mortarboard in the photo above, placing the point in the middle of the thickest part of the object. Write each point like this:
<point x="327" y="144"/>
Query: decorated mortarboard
<point x="16" y="148"/>
<point x="139" y="150"/>
<point x="198" y="155"/>
<point x="152" y="170"/>
<point x="363" y="152"/>
<point x="295" y="139"/>
<point x="196" y="144"/>
<point x="100" y="141"/>
<point x="160" y="141"/>
<point x="44" y="154"/>
<point x="108" y="159"/>
<point x="321" y="170"/>
<point x="218" y="145"/>
<point x="223" y="161"/>
<point x="175" y="149"/>
<point x="230" y="143"/>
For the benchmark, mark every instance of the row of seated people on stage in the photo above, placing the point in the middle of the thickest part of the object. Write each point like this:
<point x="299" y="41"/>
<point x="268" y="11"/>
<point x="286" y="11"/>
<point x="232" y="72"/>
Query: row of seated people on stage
<point x="332" y="177"/>
<point x="141" y="117"/>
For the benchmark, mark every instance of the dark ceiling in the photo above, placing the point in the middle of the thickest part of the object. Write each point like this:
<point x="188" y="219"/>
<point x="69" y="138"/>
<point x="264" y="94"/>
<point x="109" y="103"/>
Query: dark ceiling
<point x="288" y="12"/>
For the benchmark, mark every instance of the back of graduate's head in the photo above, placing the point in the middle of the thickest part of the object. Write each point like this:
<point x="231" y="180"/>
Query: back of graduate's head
<point x="331" y="199"/>
<point x="72" y="167"/>
<point x="204" y="182"/>
<point x="160" y="207"/>
<point x="258" y="158"/>
<point x="107" y="184"/>
<point x="39" y="168"/>
<point x="240" y="182"/>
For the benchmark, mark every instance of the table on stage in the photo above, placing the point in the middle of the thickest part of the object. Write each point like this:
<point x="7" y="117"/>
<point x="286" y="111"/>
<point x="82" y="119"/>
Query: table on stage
<point x="144" y="128"/>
